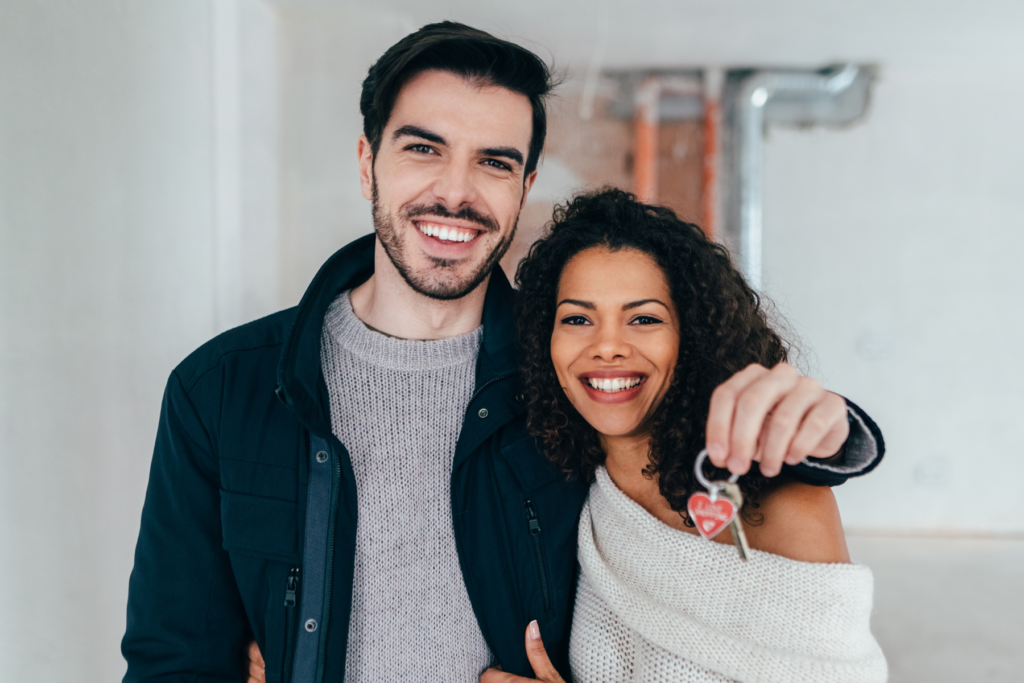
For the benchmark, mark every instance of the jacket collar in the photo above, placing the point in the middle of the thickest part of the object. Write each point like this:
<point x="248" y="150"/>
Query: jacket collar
<point x="299" y="372"/>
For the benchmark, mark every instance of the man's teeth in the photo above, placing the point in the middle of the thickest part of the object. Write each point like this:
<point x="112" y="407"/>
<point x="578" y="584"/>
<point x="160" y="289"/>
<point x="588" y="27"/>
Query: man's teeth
<point x="613" y="385"/>
<point x="443" y="232"/>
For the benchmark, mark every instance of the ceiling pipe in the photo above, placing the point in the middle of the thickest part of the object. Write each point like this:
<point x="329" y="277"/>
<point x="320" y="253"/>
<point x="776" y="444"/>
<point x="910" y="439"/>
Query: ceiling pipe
<point x="645" y="142"/>
<point x="754" y="94"/>
<point x="712" y="82"/>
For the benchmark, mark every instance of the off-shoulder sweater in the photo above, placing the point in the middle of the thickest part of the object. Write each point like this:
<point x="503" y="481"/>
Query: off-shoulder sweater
<point x="659" y="604"/>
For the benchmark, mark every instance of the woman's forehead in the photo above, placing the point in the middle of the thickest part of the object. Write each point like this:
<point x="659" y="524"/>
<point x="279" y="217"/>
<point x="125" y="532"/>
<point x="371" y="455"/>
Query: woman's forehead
<point x="615" y="274"/>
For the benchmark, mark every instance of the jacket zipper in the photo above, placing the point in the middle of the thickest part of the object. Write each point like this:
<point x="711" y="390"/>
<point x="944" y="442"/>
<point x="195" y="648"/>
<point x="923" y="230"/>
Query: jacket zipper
<point x="534" y="524"/>
<point x="328" y="570"/>
<point x="291" y="587"/>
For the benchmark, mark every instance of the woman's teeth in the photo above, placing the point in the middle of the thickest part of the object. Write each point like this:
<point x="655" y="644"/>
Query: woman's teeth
<point x="446" y="234"/>
<point x="613" y="385"/>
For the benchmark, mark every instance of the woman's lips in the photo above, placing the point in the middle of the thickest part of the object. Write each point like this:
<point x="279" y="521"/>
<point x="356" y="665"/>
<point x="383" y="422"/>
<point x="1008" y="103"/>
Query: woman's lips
<point x="621" y="391"/>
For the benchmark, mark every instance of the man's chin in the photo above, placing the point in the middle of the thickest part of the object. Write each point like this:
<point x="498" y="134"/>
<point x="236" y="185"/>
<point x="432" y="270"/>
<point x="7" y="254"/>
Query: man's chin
<point x="445" y="289"/>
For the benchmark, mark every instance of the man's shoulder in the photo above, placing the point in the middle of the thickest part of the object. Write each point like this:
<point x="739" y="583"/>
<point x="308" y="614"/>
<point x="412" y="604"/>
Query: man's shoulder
<point x="255" y="340"/>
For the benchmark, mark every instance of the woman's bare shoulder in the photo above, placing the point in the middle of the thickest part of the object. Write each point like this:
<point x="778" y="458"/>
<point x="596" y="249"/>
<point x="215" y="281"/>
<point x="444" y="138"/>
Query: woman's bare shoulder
<point x="801" y="522"/>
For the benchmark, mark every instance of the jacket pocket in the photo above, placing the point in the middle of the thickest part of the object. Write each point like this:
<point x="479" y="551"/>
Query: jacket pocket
<point x="259" y="527"/>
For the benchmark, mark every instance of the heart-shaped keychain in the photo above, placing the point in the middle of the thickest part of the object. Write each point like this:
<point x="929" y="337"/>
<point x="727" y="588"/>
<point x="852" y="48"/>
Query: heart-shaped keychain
<point x="713" y="511"/>
<point x="710" y="516"/>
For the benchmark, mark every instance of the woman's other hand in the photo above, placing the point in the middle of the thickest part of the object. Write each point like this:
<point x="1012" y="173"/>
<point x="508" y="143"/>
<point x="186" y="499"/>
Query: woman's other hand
<point x="538" y="656"/>
<point x="771" y="417"/>
<point x="257" y="668"/>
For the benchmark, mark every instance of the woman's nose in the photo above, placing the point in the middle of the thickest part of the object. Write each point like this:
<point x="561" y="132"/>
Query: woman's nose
<point x="609" y="343"/>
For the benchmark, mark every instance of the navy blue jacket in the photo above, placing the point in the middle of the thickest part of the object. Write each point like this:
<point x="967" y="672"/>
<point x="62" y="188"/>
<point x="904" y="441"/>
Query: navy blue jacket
<point x="248" y="529"/>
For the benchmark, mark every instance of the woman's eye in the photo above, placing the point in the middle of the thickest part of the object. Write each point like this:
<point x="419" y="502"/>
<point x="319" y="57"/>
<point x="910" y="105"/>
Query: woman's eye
<point x="645" y="320"/>
<point x="575" y="320"/>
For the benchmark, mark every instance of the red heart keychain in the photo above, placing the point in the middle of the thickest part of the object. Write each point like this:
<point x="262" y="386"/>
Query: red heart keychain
<point x="710" y="516"/>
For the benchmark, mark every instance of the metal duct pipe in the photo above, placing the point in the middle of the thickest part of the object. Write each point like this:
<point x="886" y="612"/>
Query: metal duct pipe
<point x="754" y="93"/>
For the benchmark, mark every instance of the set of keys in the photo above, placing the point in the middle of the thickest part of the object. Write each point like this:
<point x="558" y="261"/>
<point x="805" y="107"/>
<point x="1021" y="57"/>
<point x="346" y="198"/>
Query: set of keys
<point x="719" y="508"/>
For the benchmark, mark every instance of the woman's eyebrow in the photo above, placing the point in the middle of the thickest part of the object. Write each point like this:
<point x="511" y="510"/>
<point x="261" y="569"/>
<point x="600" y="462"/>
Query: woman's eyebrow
<point x="636" y="304"/>
<point x="577" y="302"/>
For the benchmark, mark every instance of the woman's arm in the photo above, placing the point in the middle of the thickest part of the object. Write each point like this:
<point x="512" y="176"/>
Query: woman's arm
<point x="801" y="522"/>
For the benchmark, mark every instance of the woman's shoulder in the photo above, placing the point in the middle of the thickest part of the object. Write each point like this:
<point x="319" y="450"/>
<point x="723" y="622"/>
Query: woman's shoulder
<point x="800" y="522"/>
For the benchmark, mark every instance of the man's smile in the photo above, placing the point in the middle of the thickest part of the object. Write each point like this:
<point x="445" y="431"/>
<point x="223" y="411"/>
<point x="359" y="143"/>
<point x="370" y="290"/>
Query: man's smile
<point x="447" y="233"/>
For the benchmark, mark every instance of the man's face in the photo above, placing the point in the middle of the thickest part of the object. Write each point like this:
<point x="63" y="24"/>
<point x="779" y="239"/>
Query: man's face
<point x="448" y="180"/>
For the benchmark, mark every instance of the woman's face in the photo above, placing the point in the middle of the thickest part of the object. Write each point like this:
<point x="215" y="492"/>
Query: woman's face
<point x="616" y="338"/>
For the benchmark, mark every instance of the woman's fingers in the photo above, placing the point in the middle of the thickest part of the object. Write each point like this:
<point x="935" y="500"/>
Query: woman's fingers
<point x="722" y="412"/>
<point x="785" y="420"/>
<point x="257" y="668"/>
<point x="773" y="416"/>
<point x="538" y="656"/>
<point x="496" y="675"/>
<point x="823" y="431"/>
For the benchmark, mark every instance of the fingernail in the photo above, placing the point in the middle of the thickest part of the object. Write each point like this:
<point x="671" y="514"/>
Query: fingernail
<point x="534" y="630"/>
<point x="735" y="465"/>
<point x="716" y="451"/>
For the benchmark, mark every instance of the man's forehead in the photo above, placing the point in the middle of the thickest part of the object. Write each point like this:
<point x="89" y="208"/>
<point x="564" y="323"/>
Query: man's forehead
<point x="463" y="109"/>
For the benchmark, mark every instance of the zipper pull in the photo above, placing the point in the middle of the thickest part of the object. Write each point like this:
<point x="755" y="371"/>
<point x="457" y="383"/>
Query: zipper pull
<point x="291" y="587"/>
<point x="531" y="517"/>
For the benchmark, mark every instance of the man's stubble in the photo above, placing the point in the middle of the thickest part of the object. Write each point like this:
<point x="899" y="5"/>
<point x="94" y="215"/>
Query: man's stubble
<point x="433" y="285"/>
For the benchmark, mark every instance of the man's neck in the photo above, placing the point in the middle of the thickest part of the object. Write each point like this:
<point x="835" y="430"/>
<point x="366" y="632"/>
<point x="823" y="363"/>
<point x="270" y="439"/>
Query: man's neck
<point x="389" y="305"/>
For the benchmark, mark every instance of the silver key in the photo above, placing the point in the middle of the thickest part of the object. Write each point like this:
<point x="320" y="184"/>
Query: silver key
<point x="732" y="492"/>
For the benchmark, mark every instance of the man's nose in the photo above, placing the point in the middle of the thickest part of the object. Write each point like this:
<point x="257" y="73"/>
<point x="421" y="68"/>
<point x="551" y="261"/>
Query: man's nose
<point x="455" y="186"/>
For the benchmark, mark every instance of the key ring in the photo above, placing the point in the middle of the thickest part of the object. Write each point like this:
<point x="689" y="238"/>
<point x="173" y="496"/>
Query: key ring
<point x="711" y="486"/>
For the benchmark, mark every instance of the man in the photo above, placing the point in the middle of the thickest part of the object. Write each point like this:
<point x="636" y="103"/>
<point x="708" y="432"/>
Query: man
<point x="350" y="483"/>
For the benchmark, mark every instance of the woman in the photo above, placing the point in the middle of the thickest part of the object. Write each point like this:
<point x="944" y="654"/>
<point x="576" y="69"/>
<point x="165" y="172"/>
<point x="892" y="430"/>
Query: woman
<point x="629" y="319"/>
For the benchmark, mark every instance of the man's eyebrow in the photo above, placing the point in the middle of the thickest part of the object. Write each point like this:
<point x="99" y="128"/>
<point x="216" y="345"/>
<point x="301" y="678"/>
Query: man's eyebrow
<point x="417" y="132"/>
<point x="507" y="152"/>
<point x="577" y="302"/>
<point x="637" y="304"/>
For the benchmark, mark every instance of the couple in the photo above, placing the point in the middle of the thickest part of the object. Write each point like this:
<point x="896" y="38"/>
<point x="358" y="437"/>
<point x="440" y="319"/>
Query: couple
<point x="375" y="485"/>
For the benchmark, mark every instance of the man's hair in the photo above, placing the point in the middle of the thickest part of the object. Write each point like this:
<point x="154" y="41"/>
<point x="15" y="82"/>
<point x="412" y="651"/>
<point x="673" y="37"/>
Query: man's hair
<point x="467" y="52"/>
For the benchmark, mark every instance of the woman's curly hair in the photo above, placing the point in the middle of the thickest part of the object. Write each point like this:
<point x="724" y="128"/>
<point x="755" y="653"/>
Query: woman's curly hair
<point x="723" y="329"/>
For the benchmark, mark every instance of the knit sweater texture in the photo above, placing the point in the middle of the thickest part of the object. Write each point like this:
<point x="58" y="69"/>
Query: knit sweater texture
<point x="398" y="405"/>
<point x="656" y="604"/>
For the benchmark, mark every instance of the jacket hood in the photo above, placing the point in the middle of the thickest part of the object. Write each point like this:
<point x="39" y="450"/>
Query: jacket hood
<point x="299" y="376"/>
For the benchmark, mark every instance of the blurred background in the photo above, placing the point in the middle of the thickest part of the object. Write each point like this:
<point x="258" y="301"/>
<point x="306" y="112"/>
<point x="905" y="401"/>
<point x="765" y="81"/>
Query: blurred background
<point x="171" y="169"/>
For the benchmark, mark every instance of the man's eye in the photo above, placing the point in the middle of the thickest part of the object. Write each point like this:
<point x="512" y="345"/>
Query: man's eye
<point x="575" y="320"/>
<point x="500" y="165"/>
<point x="645" y="320"/>
<point x="422" y="149"/>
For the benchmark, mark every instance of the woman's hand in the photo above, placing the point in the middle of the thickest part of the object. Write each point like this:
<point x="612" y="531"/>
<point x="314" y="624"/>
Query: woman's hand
<point x="773" y="416"/>
<point x="257" y="668"/>
<point x="538" y="657"/>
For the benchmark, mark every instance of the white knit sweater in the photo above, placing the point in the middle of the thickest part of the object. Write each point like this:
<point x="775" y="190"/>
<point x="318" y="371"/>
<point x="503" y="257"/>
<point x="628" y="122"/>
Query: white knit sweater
<point x="658" y="604"/>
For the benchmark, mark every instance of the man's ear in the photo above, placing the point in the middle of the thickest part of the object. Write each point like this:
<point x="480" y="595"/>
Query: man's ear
<point x="365" y="153"/>
<point x="527" y="184"/>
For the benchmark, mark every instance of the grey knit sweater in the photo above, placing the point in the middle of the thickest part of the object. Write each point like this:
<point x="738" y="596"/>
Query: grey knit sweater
<point x="398" y="406"/>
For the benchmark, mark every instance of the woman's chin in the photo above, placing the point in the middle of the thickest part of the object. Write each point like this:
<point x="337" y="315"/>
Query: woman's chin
<point x="615" y="429"/>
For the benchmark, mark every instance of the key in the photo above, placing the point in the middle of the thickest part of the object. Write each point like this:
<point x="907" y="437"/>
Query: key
<point x="733" y="493"/>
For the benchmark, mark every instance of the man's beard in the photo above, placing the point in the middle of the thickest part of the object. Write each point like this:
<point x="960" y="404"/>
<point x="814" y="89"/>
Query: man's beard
<point x="441" y="282"/>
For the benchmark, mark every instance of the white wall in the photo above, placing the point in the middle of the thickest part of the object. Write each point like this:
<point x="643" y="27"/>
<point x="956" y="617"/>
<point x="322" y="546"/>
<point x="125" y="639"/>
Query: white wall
<point x="895" y="248"/>
<point x="108" y="278"/>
